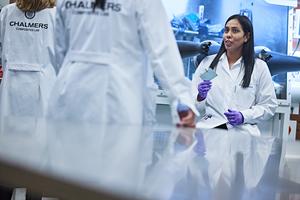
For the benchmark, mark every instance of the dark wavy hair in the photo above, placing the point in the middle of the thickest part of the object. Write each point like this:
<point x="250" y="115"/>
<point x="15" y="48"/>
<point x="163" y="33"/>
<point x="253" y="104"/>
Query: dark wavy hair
<point x="100" y="4"/>
<point x="34" y="5"/>
<point x="248" y="54"/>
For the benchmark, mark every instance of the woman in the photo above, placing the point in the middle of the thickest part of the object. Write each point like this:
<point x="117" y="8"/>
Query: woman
<point x="26" y="35"/>
<point x="103" y="50"/>
<point x="242" y="94"/>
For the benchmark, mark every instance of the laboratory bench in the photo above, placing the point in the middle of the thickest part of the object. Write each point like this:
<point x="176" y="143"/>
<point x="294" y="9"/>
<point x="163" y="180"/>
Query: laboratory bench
<point x="72" y="161"/>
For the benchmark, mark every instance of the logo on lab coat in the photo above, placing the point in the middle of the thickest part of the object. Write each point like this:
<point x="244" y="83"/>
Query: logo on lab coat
<point x="28" y="25"/>
<point x="29" y="15"/>
<point x="116" y="7"/>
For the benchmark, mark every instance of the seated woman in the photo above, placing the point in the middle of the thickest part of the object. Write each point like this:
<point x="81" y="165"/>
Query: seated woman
<point x="242" y="93"/>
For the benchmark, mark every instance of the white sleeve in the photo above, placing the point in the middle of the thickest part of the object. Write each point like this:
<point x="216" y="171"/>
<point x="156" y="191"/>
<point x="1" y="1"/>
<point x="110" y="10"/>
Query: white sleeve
<point x="160" y="44"/>
<point x="265" y="100"/>
<point x="50" y="48"/>
<point x="61" y="42"/>
<point x="2" y="32"/>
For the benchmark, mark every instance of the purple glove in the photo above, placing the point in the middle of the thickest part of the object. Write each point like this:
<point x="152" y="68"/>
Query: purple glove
<point x="203" y="89"/>
<point x="234" y="118"/>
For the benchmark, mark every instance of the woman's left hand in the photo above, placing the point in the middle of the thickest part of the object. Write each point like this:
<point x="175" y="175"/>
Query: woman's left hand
<point x="234" y="118"/>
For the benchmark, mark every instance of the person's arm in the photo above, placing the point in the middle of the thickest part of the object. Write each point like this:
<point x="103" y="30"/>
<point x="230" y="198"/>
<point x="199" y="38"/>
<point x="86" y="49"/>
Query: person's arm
<point x="159" y="42"/>
<point x="60" y="41"/>
<point x="3" y="14"/>
<point x="266" y="102"/>
<point x="1" y="42"/>
<point x="51" y="47"/>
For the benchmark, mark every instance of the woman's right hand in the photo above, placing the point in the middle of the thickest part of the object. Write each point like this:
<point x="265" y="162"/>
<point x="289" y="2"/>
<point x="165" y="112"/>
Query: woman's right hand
<point x="203" y="89"/>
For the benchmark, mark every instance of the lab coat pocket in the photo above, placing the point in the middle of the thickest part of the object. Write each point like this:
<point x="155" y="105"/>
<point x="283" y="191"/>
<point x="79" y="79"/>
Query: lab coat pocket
<point x="245" y="97"/>
<point x="80" y="92"/>
<point x="24" y="67"/>
<point x="23" y="90"/>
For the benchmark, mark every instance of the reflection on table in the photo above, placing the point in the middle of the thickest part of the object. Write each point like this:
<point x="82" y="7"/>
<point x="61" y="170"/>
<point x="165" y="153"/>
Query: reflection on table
<point x="90" y="161"/>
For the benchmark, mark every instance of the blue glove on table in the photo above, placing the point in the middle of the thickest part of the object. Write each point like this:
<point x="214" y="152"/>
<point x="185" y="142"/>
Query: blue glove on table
<point x="203" y="89"/>
<point x="234" y="118"/>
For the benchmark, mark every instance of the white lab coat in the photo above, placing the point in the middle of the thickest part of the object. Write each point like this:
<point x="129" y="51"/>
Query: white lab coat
<point x="256" y="103"/>
<point x="150" y="93"/>
<point x="102" y="60"/>
<point x="28" y="61"/>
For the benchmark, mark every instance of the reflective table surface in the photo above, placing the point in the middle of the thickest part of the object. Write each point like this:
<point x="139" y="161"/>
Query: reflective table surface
<point x="88" y="161"/>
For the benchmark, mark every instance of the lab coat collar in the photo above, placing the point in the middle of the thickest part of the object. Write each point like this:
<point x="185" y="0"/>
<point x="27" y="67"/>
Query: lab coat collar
<point x="238" y="63"/>
<point x="225" y="65"/>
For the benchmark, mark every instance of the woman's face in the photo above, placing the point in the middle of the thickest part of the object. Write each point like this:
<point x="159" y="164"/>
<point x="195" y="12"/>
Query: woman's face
<point x="234" y="37"/>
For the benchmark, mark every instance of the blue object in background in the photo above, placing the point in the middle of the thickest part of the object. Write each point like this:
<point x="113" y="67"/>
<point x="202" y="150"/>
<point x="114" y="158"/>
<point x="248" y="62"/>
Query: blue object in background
<point x="247" y="13"/>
